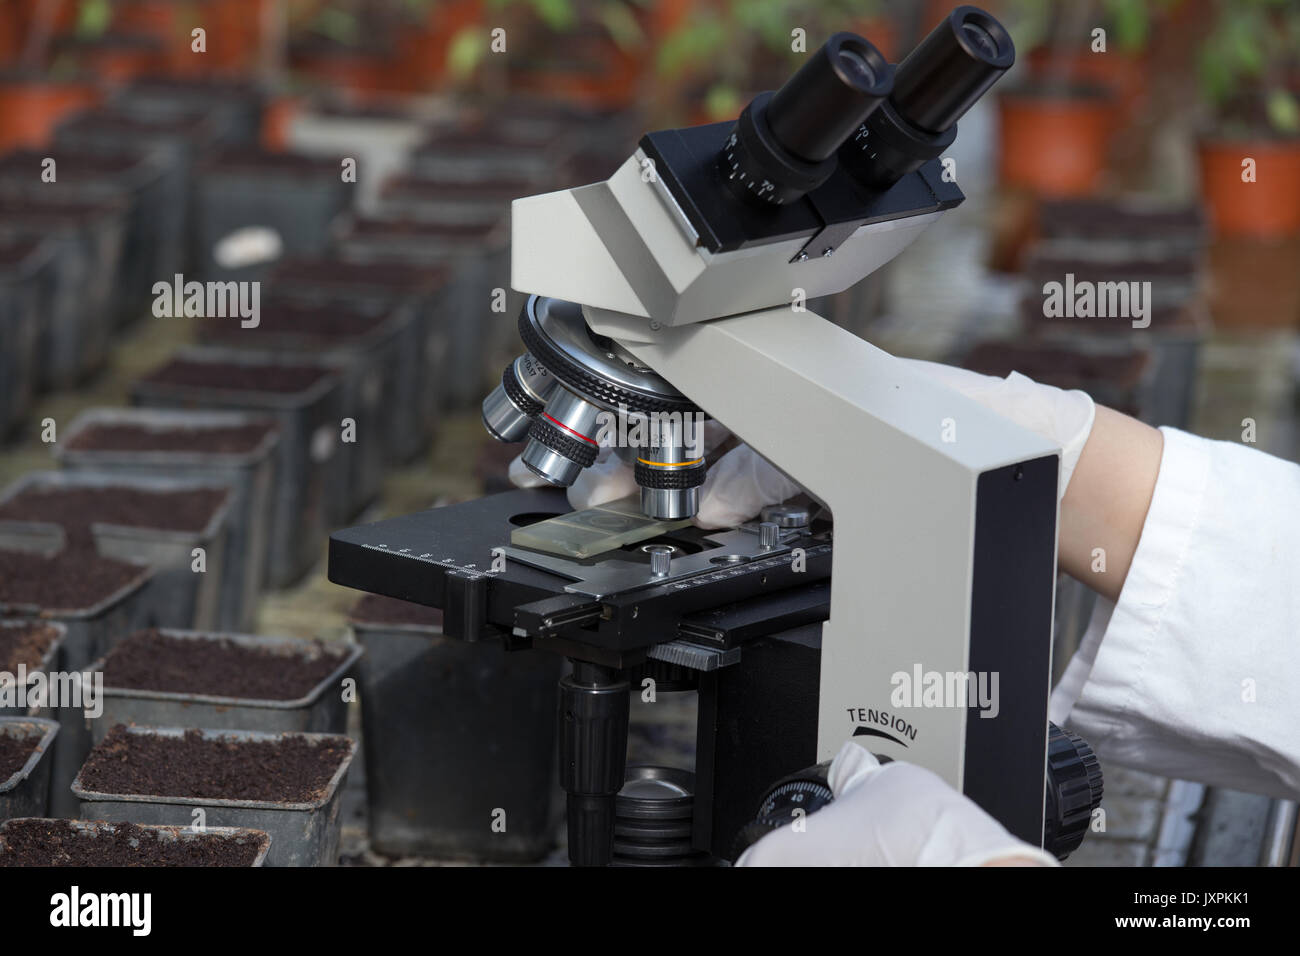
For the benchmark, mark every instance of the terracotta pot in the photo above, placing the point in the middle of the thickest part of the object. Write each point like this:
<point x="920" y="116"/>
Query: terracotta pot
<point x="1055" y="144"/>
<point x="116" y="58"/>
<point x="1125" y="75"/>
<point x="234" y="37"/>
<point x="1266" y="208"/>
<point x="31" y="108"/>
<point x="277" y="115"/>
<point x="1254" y="283"/>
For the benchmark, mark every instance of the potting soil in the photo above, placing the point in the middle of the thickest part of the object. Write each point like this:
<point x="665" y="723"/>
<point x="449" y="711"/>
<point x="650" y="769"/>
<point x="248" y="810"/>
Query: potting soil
<point x="148" y="660"/>
<point x="73" y="579"/>
<point x="220" y="440"/>
<point x="25" y="646"/>
<point x="287" y="770"/>
<point x="60" y="843"/>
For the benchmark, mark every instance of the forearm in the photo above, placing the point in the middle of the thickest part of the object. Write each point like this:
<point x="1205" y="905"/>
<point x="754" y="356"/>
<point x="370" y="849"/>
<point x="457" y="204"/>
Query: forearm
<point x="1105" y="505"/>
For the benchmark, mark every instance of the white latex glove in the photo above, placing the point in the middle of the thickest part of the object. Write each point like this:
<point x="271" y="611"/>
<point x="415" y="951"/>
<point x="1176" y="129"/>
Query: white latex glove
<point x="1060" y="416"/>
<point x="894" y="814"/>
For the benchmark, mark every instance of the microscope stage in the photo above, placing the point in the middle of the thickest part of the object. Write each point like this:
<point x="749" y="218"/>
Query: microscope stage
<point x="459" y="558"/>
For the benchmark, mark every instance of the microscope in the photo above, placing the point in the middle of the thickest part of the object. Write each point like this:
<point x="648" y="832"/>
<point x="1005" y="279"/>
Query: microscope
<point x="925" y="550"/>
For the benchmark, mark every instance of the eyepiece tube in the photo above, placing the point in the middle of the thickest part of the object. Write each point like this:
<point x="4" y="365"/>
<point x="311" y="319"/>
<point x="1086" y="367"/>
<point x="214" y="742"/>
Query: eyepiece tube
<point x="933" y="87"/>
<point x="952" y="68"/>
<point x="821" y="105"/>
<point x="784" y="143"/>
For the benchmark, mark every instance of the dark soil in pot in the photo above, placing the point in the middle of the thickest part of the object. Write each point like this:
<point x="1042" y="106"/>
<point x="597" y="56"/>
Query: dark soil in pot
<point x="378" y="609"/>
<point x="35" y="842"/>
<point x="76" y="509"/>
<point x="326" y="324"/>
<point x="287" y="770"/>
<point x="25" y="646"/>
<point x="217" y="440"/>
<point x="285" y="379"/>
<point x="73" y="579"/>
<point x="14" y="751"/>
<point x="148" y="660"/>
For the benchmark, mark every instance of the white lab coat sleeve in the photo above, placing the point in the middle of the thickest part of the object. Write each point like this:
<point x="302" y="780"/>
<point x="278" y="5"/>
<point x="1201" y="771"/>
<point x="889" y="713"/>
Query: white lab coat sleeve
<point x="1194" y="672"/>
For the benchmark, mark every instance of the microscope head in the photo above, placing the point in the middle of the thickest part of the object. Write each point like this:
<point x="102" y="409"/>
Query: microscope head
<point x="814" y="187"/>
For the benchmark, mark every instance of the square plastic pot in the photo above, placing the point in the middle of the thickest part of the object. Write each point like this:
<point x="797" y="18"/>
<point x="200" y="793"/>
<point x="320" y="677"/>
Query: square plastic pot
<point x="309" y="424"/>
<point x="322" y="710"/>
<point x="295" y="197"/>
<point x="177" y="596"/>
<point x="249" y="476"/>
<point x="367" y="361"/>
<point x="89" y="633"/>
<point x="87" y="240"/>
<point x="49" y="660"/>
<point x="442" y="752"/>
<point x="302" y="834"/>
<point x="136" y="176"/>
<point x="479" y="340"/>
<point x="25" y="274"/>
<point x="422" y="359"/>
<point x="99" y="830"/>
<point x="26" y="793"/>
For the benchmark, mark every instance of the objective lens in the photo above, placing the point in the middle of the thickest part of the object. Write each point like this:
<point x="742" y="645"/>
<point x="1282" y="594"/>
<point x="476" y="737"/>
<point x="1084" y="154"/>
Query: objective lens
<point x="562" y="438"/>
<point x="933" y="88"/>
<point x="670" y="469"/>
<point x="784" y="143"/>
<point x="525" y="387"/>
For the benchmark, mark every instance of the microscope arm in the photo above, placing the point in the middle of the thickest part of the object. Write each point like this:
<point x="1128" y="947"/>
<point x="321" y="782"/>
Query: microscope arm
<point x="944" y="559"/>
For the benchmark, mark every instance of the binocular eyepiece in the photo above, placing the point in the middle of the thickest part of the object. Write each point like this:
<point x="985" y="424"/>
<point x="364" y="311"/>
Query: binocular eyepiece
<point x="848" y="104"/>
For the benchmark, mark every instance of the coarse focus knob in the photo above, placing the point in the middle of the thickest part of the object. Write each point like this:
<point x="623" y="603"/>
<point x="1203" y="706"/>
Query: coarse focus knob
<point x="1074" y="791"/>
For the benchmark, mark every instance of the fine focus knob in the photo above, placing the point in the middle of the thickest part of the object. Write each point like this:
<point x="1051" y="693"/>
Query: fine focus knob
<point x="1074" y="789"/>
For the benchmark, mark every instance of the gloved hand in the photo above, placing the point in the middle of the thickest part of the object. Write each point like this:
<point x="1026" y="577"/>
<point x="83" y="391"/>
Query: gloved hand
<point x="893" y="814"/>
<point x="740" y="483"/>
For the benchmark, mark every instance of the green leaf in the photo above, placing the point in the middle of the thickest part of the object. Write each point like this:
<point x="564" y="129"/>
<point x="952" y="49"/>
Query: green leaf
<point x="722" y="102"/>
<point x="1283" y="111"/>
<point x="93" y="17"/>
<point x="622" y="26"/>
<point x="466" y="50"/>
<point x="558" y="15"/>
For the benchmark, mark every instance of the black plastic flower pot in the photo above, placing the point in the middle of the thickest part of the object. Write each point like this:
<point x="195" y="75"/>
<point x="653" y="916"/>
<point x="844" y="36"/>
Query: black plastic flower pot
<point x="137" y="176"/>
<point x="287" y="785"/>
<point x="39" y="841"/>
<point x="154" y="520"/>
<point x="477" y="259"/>
<point x="182" y="134"/>
<point x="431" y="713"/>
<point x="25" y="277"/>
<point x="28" y="646"/>
<point x="173" y="678"/>
<point x="303" y="396"/>
<point x="234" y="449"/>
<point x="26" y="745"/>
<point x="95" y="599"/>
<point x="293" y="197"/>
<point x="235" y="106"/>
<point x="87" y="238"/>
<point x="363" y="340"/>
<point x="423" y="351"/>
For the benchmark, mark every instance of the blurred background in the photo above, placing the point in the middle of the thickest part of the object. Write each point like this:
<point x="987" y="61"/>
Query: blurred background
<point x="356" y="160"/>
